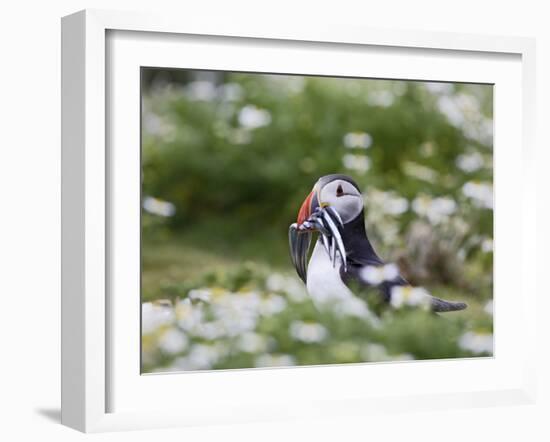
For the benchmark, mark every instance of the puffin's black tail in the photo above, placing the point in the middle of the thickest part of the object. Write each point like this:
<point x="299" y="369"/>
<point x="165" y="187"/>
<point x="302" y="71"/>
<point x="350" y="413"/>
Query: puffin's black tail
<point x="440" y="305"/>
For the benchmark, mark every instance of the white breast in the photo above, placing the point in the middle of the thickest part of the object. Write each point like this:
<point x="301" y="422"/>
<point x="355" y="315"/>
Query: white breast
<point x="323" y="279"/>
<point x="326" y="288"/>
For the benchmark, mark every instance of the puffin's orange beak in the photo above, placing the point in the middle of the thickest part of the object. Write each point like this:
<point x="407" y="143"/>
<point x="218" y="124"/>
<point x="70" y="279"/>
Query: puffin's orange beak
<point x="300" y="237"/>
<point x="305" y="210"/>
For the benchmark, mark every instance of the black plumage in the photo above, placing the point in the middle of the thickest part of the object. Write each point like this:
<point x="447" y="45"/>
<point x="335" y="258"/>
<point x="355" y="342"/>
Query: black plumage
<point x="360" y="253"/>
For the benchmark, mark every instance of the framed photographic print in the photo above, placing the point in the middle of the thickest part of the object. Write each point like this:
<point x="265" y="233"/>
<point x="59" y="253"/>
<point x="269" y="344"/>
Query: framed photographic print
<point x="281" y="223"/>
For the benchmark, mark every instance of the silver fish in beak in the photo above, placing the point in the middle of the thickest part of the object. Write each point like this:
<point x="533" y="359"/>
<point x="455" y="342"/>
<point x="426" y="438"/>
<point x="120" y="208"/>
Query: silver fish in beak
<point x="313" y="218"/>
<point x="299" y="242"/>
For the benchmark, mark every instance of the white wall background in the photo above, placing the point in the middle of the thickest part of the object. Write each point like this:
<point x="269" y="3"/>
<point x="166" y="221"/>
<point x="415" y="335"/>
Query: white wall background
<point x="30" y="215"/>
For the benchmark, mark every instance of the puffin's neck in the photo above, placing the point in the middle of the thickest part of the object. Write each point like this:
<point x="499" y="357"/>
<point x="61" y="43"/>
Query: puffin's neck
<point x="357" y="244"/>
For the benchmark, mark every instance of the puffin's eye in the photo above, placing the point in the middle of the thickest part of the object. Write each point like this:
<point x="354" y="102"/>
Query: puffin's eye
<point x="339" y="190"/>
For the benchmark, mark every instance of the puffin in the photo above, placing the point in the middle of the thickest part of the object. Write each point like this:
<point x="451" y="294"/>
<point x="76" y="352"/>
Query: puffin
<point x="335" y="210"/>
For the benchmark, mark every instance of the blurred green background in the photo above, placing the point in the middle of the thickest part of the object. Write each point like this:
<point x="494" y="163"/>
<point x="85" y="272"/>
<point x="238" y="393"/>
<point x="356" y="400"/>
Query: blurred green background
<point x="228" y="159"/>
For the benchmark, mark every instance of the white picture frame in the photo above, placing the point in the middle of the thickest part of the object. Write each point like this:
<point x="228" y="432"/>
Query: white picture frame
<point x="90" y="324"/>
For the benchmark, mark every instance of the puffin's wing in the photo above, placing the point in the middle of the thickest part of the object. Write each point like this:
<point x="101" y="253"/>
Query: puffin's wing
<point x="353" y="276"/>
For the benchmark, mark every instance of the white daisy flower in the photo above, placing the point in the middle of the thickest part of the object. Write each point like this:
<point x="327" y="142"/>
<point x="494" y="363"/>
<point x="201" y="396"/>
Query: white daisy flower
<point x="489" y="308"/>
<point x="376" y="275"/>
<point x="211" y="330"/>
<point x="200" y="91"/>
<point x="477" y="342"/>
<point x="480" y="193"/>
<point x="435" y="209"/>
<point x="396" y="206"/>
<point x="354" y="140"/>
<point x="308" y="332"/>
<point x="252" y="117"/>
<point x="158" y="207"/>
<point x="409" y="296"/>
<point x="154" y="316"/>
<point x="374" y="352"/>
<point x="238" y="312"/>
<point x="251" y="342"/>
<point x="487" y="245"/>
<point x="189" y="316"/>
<point x="293" y="288"/>
<point x="199" y="295"/>
<point x="272" y="304"/>
<point x="470" y="162"/>
<point x="420" y="172"/>
<point x="275" y="282"/>
<point x="173" y="341"/>
<point x="200" y="357"/>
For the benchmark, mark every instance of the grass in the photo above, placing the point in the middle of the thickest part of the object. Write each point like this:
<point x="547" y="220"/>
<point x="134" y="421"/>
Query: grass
<point x="176" y="260"/>
<point x="235" y="280"/>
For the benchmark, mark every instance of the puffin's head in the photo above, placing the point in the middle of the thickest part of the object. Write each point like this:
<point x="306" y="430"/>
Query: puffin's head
<point x="337" y="191"/>
<point x="341" y="194"/>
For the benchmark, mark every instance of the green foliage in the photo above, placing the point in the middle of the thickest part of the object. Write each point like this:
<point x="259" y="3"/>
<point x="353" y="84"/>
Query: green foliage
<point x="201" y="158"/>
<point x="231" y="156"/>
<point x="250" y="318"/>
